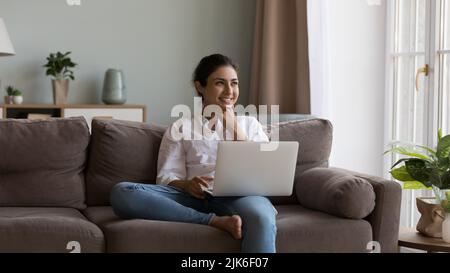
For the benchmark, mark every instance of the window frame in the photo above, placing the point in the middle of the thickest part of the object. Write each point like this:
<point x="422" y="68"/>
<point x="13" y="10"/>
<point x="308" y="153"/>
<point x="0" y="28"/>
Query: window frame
<point x="433" y="103"/>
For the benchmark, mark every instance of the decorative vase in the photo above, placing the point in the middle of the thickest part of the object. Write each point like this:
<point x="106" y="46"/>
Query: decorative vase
<point x="432" y="217"/>
<point x="446" y="228"/>
<point x="114" y="89"/>
<point x="9" y="99"/>
<point x="18" y="99"/>
<point x="60" y="91"/>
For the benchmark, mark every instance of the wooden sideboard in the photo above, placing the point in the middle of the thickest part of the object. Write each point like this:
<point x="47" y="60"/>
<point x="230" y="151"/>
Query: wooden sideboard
<point x="88" y="111"/>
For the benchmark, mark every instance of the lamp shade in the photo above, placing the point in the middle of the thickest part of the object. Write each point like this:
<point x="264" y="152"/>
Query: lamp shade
<point x="6" y="47"/>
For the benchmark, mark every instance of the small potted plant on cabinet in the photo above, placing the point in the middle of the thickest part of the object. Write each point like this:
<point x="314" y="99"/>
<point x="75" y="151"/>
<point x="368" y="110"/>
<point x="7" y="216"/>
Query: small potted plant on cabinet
<point x="9" y="98"/>
<point x="14" y="96"/>
<point x="17" y="97"/>
<point x="59" y="66"/>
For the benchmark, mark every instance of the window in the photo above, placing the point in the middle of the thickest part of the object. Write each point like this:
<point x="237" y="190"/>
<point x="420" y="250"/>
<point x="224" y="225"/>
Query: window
<point x="443" y="62"/>
<point x="418" y="86"/>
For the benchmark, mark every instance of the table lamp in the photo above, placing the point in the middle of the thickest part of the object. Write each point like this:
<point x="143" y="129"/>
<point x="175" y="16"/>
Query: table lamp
<point x="6" y="47"/>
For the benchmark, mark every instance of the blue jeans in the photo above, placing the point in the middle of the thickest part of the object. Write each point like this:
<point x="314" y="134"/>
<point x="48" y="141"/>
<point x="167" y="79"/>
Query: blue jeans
<point x="167" y="203"/>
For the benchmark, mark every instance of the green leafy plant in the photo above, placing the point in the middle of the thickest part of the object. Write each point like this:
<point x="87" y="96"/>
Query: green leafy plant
<point x="59" y="66"/>
<point x="12" y="91"/>
<point x="423" y="167"/>
<point x="17" y="93"/>
<point x="445" y="204"/>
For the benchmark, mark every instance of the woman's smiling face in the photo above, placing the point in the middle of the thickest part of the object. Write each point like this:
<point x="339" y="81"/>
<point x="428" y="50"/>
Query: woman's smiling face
<point x="222" y="88"/>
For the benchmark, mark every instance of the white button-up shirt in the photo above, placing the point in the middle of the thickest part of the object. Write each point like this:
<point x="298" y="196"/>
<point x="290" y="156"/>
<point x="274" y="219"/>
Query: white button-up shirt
<point x="184" y="159"/>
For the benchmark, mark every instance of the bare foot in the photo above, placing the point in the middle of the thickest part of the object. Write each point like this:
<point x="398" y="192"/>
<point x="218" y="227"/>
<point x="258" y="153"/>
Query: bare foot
<point x="231" y="224"/>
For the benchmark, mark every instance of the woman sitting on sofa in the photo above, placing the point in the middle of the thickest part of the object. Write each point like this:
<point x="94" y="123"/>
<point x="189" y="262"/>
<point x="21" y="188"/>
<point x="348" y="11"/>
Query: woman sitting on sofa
<point x="186" y="168"/>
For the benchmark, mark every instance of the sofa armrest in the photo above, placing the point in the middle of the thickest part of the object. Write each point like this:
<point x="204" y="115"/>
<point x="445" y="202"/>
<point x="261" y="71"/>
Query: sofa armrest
<point x="385" y="218"/>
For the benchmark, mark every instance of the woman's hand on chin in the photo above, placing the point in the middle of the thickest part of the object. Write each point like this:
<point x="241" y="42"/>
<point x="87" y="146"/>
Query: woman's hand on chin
<point x="230" y="121"/>
<point x="229" y="115"/>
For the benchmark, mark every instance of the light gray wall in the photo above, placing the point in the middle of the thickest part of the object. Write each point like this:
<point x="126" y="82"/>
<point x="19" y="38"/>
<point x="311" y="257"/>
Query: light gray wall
<point x="157" y="43"/>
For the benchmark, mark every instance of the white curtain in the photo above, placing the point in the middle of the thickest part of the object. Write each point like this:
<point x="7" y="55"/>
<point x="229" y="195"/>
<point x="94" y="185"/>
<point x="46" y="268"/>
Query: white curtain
<point x="319" y="58"/>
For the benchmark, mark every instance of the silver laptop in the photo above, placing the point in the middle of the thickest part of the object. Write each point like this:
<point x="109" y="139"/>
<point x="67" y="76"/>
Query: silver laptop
<point x="244" y="169"/>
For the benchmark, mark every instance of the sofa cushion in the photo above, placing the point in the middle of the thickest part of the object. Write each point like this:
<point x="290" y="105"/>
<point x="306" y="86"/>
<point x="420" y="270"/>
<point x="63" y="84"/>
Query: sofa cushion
<point x="42" y="162"/>
<point x="315" y="138"/>
<point x="158" y="236"/>
<point x="299" y="230"/>
<point x="309" y="231"/>
<point x="120" y="151"/>
<point x="47" y="230"/>
<point x="336" y="192"/>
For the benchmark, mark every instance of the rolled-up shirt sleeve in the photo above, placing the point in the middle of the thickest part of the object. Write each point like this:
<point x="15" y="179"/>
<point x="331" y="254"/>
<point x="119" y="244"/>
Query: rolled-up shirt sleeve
<point x="171" y="160"/>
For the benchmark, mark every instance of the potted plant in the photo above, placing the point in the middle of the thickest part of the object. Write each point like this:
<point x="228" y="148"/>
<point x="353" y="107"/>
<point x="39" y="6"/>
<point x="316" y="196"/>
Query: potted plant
<point x="9" y="99"/>
<point x="59" y="66"/>
<point x="17" y="97"/>
<point x="425" y="168"/>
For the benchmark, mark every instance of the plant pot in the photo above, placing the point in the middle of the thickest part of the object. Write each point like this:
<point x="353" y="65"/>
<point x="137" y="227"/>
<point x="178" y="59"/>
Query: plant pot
<point x="446" y="228"/>
<point x="9" y="100"/>
<point x="432" y="217"/>
<point x="60" y="91"/>
<point x="18" y="99"/>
